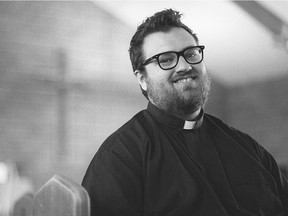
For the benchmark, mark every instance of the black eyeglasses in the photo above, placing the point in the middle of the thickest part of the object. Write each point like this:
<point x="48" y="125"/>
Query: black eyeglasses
<point x="169" y="60"/>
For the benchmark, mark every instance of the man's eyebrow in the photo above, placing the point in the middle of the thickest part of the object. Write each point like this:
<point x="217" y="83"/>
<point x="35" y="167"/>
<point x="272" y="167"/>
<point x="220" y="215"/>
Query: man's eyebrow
<point x="177" y="51"/>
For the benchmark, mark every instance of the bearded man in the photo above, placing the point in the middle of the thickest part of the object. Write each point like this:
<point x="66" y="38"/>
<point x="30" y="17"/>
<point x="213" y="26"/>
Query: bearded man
<point x="173" y="159"/>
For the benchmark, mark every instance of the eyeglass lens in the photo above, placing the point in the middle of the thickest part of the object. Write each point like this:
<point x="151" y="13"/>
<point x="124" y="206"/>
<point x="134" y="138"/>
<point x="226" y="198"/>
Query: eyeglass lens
<point x="170" y="59"/>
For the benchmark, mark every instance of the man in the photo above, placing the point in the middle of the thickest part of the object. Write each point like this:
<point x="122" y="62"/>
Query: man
<point x="172" y="159"/>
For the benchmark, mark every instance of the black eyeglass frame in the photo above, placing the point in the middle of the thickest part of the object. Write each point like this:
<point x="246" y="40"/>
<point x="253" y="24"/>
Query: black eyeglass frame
<point x="181" y="53"/>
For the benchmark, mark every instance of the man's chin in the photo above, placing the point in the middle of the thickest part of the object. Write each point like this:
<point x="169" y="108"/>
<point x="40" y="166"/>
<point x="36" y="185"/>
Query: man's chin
<point x="190" y="106"/>
<point x="189" y="94"/>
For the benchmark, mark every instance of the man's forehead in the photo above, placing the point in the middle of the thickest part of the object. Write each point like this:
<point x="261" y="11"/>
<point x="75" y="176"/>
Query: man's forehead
<point x="175" y="39"/>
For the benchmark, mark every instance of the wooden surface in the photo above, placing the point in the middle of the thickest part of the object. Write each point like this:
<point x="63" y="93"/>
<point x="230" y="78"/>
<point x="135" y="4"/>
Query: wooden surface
<point x="61" y="197"/>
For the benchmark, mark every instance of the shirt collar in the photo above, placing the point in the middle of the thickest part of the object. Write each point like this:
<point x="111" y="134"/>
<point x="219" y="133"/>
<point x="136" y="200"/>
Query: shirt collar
<point x="172" y="121"/>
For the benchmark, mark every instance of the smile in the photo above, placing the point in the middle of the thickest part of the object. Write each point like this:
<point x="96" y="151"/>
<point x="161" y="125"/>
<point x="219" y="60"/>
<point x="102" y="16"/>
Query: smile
<point x="184" y="80"/>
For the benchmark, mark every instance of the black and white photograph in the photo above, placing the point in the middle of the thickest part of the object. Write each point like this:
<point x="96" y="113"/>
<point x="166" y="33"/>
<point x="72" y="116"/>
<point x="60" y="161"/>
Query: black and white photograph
<point x="144" y="108"/>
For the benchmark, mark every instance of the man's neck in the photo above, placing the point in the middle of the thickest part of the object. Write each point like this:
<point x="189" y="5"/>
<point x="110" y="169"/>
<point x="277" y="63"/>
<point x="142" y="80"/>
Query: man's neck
<point x="192" y="116"/>
<point x="181" y="115"/>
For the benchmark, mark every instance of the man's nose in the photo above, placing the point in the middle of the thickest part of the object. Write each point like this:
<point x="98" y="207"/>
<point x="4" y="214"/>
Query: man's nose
<point x="183" y="65"/>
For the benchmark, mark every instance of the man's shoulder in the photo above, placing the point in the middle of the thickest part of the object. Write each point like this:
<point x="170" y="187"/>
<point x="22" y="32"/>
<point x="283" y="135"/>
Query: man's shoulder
<point x="241" y="137"/>
<point x="224" y="125"/>
<point x="131" y="134"/>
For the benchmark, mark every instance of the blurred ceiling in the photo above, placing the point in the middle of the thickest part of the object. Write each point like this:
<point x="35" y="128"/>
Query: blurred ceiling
<point x="241" y="48"/>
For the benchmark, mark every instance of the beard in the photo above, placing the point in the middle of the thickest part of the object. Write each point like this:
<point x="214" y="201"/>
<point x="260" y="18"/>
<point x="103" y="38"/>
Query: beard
<point x="179" y="103"/>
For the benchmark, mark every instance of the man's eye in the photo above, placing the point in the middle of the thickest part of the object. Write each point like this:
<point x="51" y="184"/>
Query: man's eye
<point x="191" y="55"/>
<point x="166" y="60"/>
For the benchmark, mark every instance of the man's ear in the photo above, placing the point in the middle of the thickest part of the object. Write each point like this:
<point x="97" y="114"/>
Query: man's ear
<point x="141" y="79"/>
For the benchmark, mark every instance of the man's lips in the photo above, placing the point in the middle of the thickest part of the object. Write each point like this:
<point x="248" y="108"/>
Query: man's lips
<point x="185" y="79"/>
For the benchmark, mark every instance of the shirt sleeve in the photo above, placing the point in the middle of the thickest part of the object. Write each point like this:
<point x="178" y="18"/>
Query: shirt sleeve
<point x="114" y="184"/>
<point x="273" y="168"/>
<point x="268" y="162"/>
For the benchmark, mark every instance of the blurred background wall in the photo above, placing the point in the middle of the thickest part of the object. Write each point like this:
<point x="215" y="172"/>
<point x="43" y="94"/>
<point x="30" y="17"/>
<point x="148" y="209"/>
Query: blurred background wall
<point x="66" y="83"/>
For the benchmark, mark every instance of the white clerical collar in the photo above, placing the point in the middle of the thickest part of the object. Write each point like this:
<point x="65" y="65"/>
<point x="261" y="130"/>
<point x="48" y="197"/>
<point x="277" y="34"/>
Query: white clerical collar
<point x="189" y="125"/>
<point x="174" y="122"/>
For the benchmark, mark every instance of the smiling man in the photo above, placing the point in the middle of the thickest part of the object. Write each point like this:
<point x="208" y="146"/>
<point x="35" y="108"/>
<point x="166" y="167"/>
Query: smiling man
<point x="175" y="77"/>
<point x="173" y="159"/>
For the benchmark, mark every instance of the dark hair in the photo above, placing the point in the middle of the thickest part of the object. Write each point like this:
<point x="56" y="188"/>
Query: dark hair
<point x="160" y="21"/>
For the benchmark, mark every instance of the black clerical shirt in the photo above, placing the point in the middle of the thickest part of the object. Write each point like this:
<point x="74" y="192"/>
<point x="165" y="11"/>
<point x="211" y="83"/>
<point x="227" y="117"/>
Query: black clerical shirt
<point x="152" y="166"/>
